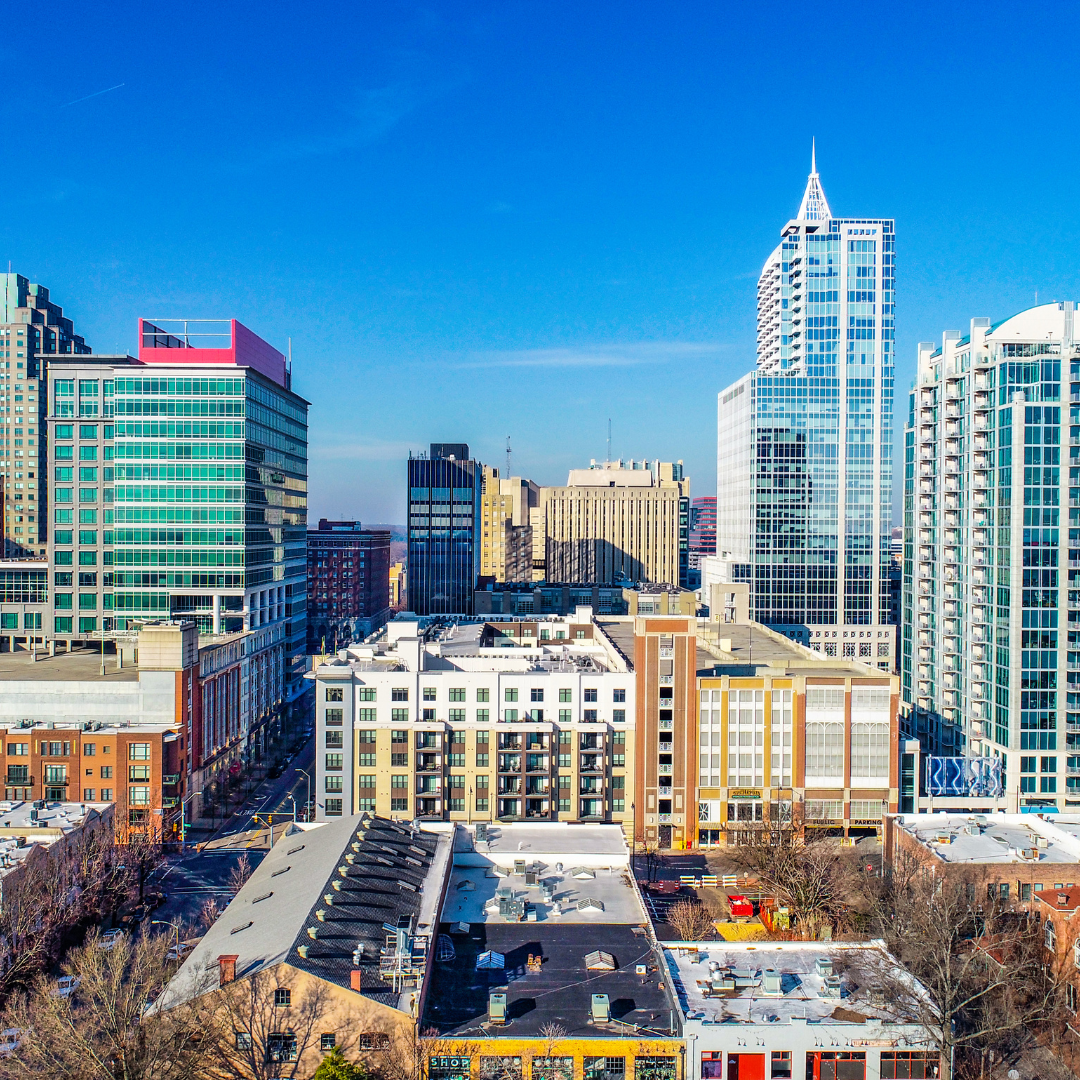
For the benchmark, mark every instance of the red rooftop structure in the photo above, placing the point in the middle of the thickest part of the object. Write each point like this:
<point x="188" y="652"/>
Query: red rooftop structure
<point x="207" y="341"/>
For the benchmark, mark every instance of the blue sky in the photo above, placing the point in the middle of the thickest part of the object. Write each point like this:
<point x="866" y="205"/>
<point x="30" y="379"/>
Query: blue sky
<point x="486" y="219"/>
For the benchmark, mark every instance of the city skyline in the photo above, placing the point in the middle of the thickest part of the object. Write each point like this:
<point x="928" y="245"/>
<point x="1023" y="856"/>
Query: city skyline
<point x="474" y="240"/>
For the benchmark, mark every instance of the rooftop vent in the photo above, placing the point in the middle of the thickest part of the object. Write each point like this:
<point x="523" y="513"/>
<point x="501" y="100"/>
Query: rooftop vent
<point x="590" y="903"/>
<point x="600" y="961"/>
<point x="1063" y="899"/>
<point x="497" y="1008"/>
<point x="601" y="1009"/>
<point x="490" y="961"/>
<point x="823" y="966"/>
<point x="771" y="982"/>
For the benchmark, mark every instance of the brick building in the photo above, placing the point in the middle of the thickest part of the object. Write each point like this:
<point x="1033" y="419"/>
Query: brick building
<point x="348" y="587"/>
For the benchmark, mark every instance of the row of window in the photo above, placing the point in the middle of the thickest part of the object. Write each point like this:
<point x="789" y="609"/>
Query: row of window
<point x="63" y="748"/>
<point x="483" y="693"/>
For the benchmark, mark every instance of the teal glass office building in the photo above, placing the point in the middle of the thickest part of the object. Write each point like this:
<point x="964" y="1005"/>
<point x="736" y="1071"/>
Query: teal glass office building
<point x="804" y="447"/>
<point x="179" y="489"/>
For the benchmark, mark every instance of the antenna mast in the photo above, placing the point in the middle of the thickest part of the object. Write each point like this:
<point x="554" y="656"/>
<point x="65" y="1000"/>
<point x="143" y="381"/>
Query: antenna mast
<point x="609" y="439"/>
<point x="508" y="457"/>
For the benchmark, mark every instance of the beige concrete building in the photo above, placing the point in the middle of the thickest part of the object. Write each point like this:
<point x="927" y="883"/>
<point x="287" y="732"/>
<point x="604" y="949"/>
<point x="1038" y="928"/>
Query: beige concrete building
<point x="506" y="532"/>
<point x="617" y="521"/>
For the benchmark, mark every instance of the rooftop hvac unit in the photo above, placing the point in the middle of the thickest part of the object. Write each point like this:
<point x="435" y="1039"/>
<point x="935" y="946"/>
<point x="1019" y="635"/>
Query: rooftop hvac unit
<point x="497" y="1008"/>
<point x="601" y="1009"/>
<point x="823" y="965"/>
<point x="482" y="832"/>
<point x="771" y="982"/>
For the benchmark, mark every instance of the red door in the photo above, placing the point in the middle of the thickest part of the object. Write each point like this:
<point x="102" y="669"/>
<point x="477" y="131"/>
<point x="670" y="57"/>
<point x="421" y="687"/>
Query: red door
<point x="746" y="1067"/>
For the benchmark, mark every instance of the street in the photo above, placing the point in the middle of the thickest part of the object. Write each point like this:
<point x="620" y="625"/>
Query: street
<point x="192" y="877"/>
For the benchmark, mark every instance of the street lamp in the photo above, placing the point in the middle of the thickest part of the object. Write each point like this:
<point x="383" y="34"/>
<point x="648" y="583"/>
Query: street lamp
<point x="175" y="926"/>
<point x="183" y="831"/>
<point x="292" y="799"/>
<point x="307" y="801"/>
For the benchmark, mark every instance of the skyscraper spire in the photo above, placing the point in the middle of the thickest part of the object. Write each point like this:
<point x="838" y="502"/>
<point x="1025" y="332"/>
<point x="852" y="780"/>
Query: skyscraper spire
<point x="814" y="205"/>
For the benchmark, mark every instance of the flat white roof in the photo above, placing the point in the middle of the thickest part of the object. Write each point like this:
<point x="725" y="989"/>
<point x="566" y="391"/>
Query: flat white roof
<point x="994" y="838"/>
<point x="803" y="993"/>
<point x="556" y="840"/>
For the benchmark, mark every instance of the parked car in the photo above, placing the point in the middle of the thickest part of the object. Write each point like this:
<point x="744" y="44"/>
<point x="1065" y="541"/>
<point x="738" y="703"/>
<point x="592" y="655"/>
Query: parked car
<point x="155" y="897"/>
<point x="180" y="950"/>
<point x="66" y="985"/>
<point x="275" y="771"/>
<point x="110" y="938"/>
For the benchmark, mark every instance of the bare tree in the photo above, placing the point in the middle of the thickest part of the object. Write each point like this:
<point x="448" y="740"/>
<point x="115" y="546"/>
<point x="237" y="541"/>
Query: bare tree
<point x="412" y="1049"/>
<point x="253" y="1016"/>
<point x="690" y="920"/>
<point x="987" y="984"/>
<point x="549" y="1064"/>
<point x="239" y="874"/>
<point x="100" y="1030"/>
<point x="209" y="913"/>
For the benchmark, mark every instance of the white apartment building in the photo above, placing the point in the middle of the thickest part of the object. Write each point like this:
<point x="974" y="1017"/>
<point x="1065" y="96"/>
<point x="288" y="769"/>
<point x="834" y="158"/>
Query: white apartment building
<point x="478" y="722"/>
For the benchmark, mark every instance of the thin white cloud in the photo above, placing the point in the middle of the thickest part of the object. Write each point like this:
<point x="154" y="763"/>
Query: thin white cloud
<point x="631" y="355"/>
<point x="360" y="451"/>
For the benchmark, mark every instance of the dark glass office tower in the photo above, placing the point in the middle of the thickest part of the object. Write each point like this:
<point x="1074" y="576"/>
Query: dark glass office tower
<point x="445" y="486"/>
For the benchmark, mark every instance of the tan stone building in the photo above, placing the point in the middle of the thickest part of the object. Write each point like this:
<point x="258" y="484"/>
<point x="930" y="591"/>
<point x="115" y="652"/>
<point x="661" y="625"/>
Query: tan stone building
<point x="506" y="532"/>
<point x="617" y="521"/>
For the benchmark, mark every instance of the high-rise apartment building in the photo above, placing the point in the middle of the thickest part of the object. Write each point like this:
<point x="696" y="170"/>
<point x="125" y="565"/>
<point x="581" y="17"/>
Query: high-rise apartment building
<point x="180" y="489"/>
<point x="445" y="489"/>
<point x="506" y="544"/>
<point x="32" y="328"/>
<point x="804" y="442"/>
<point x="991" y="621"/>
<point x="348" y="582"/>
<point x="618" y="521"/>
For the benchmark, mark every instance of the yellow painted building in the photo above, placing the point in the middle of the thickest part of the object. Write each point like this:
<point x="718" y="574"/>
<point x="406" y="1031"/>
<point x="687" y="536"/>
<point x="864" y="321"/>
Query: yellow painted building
<point x="506" y="538"/>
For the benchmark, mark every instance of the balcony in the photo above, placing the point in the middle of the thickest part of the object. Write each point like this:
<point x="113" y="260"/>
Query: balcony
<point x="510" y="785"/>
<point x="509" y="742"/>
<point x="536" y="763"/>
<point x="665" y="770"/>
<point x="429" y="763"/>
<point x="591" y="763"/>
<point x="509" y="763"/>
<point x="591" y="742"/>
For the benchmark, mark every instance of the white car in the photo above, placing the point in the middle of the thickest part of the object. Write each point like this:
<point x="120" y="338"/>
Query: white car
<point x="110" y="938"/>
<point x="180" y="950"/>
<point x="66" y="985"/>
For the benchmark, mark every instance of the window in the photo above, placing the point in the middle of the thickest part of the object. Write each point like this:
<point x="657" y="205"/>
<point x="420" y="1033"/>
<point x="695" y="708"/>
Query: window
<point x="483" y="693"/>
<point x="914" y="1064"/>
<point x="500" y="1068"/>
<point x="89" y="749"/>
<point x="368" y="735"/>
<point x="139" y="772"/>
<point x="781" y="1064"/>
<point x="399" y="781"/>
<point x="618" y="695"/>
<point x="281" y="1047"/>
<point x="333" y="807"/>
<point x="139" y="751"/>
<point x="327" y="1041"/>
<point x="87" y="453"/>
<point x="565" y="695"/>
<point x="589" y="716"/>
<point x="399" y="737"/>
<point x="106" y="772"/>
<point x="365" y="780"/>
<point x="334" y="762"/>
<point x="334" y="717"/>
<point x="590" y="693"/>
<point x="335" y="693"/>
<point x="334" y="784"/>
<point x="456" y="716"/>
<point x="368" y="760"/>
<point x="335" y="739"/>
<point x="399" y="693"/>
<point x="374" y="1040"/>
<point x="243" y="1040"/>
<point x="429" y="693"/>
<point x="1070" y="997"/>
<point x="139" y="796"/>
<point x="399" y="761"/>
<point x="366" y="693"/>
<point x="553" y="1068"/>
<point x="106" y="794"/>
<point x="511" y="694"/>
<point x="712" y="1065"/>
<point x="457" y="693"/>
<point x="1048" y="935"/>
<point x="536" y="694"/>
<point x="654" y="1068"/>
<point x="618" y="716"/>
<point x="604" y="1068"/>
<point x="399" y="804"/>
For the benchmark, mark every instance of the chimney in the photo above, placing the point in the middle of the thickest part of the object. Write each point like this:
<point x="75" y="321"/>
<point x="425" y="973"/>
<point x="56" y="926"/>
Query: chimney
<point x="354" y="980"/>
<point x="227" y="968"/>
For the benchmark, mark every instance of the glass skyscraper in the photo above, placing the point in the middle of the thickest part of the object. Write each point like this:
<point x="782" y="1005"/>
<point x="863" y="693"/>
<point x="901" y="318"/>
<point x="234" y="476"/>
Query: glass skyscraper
<point x="991" y="585"/>
<point x="804" y="467"/>
<point x="180" y="489"/>
<point x="445" y="488"/>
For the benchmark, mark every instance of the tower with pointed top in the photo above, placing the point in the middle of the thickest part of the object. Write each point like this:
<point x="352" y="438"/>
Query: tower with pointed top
<point x="804" y="452"/>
